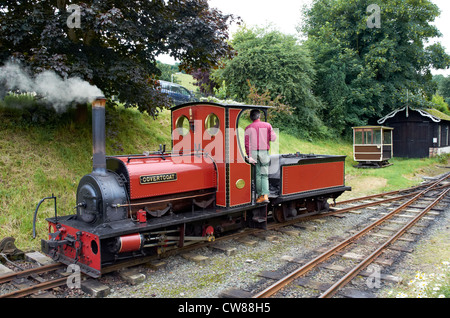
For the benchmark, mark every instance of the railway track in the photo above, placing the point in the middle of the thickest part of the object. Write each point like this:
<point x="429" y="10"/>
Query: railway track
<point x="411" y="195"/>
<point x="31" y="282"/>
<point x="354" y="271"/>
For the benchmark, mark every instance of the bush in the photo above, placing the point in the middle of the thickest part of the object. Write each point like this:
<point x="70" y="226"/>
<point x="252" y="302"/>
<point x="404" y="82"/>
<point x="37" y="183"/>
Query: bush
<point x="27" y="108"/>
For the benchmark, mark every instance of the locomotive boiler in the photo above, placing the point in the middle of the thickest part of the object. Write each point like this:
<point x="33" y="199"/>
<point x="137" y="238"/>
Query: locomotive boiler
<point x="133" y="206"/>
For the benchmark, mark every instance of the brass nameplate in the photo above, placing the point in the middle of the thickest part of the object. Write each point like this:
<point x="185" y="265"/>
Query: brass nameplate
<point x="158" y="178"/>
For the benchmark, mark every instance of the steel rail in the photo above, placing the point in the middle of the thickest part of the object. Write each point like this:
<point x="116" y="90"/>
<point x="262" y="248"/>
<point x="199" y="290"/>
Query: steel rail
<point x="273" y="226"/>
<point x="317" y="215"/>
<point x="365" y="205"/>
<point x="274" y="288"/>
<point x="363" y="264"/>
<point x="29" y="272"/>
<point x="373" y="196"/>
<point x="35" y="288"/>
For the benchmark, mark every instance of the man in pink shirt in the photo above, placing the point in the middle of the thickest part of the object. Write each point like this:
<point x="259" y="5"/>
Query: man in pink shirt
<point x="257" y="144"/>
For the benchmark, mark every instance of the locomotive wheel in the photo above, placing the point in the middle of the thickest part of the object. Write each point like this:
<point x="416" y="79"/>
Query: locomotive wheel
<point x="323" y="206"/>
<point x="278" y="214"/>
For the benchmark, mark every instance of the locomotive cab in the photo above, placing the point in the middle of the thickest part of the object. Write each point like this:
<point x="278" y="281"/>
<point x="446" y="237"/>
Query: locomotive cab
<point x="213" y="129"/>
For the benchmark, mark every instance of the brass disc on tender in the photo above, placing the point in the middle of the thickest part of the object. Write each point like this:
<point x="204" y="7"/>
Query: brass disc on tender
<point x="240" y="184"/>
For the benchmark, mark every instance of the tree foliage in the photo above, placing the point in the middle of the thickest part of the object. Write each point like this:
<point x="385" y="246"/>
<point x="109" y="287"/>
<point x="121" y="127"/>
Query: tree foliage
<point x="117" y="41"/>
<point x="205" y="84"/>
<point x="274" y="63"/>
<point x="440" y="104"/>
<point x="444" y="88"/>
<point x="167" y="71"/>
<point x="264" y="99"/>
<point x="365" y="72"/>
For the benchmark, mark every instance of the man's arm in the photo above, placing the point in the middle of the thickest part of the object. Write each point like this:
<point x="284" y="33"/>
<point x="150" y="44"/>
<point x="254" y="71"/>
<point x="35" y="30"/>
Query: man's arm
<point x="272" y="135"/>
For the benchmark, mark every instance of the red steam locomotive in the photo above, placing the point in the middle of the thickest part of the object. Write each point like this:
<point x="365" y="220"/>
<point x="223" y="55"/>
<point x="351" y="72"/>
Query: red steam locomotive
<point x="133" y="206"/>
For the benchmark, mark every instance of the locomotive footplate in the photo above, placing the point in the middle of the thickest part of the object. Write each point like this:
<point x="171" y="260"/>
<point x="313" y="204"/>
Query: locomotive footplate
<point x="332" y="192"/>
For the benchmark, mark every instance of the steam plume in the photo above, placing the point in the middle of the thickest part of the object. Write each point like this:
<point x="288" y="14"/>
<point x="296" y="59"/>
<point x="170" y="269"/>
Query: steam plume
<point x="58" y="92"/>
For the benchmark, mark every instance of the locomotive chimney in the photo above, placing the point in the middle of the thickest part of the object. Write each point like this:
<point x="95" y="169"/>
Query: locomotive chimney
<point x="98" y="136"/>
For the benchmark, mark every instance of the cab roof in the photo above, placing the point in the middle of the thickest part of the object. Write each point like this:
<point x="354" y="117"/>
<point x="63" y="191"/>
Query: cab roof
<point x="264" y="108"/>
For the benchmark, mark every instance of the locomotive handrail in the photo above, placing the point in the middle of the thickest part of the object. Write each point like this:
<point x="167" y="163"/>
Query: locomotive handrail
<point x="161" y="155"/>
<point x="37" y="209"/>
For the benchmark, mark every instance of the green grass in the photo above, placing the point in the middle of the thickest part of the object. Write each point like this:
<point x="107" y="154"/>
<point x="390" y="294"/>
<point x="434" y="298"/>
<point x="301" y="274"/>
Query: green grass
<point x="38" y="159"/>
<point x="187" y="81"/>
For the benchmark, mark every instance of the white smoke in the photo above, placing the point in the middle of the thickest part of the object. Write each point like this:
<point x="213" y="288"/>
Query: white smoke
<point x="58" y="92"/>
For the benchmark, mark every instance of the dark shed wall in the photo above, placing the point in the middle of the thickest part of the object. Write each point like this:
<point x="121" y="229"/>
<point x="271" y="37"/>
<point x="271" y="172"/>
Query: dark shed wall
<point x="445" y="135"/>
<point x="413" y="135"/>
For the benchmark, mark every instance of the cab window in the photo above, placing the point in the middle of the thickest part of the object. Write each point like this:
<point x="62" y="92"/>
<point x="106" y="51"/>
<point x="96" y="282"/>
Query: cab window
<point x="212" y="124"/>
<point x="182" y="125"/>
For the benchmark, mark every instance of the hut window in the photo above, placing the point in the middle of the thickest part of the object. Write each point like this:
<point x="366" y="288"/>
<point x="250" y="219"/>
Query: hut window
<point x="371" y="137"/>
<point x="377" y="137"/>
<point x="367" y="137"/>
<point x="387" y="138"/>
<point x="358" y="137"/>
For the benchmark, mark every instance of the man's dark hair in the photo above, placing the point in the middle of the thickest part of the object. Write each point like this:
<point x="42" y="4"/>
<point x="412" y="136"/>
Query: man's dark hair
<point x="255" y="114"/>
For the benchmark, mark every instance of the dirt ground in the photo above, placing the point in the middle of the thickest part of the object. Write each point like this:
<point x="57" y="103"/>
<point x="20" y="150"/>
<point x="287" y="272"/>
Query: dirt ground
<point x="362" y="186"/>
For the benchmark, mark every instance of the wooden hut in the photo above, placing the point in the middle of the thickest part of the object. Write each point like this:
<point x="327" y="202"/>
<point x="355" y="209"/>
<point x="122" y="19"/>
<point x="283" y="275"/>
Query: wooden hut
<point x="372" y="146"/>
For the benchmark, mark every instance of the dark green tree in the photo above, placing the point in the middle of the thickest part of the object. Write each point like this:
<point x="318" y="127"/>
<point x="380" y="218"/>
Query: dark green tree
<point x="115" y="43"/>
<point x="167" y="71"/>
<point x="370" y="59"/>
<point x="444" y="88"/>
<point x="273" y="62"/>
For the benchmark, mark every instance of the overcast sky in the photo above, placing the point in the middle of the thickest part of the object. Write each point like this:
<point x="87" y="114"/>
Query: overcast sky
<point x="285" y="16"/>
